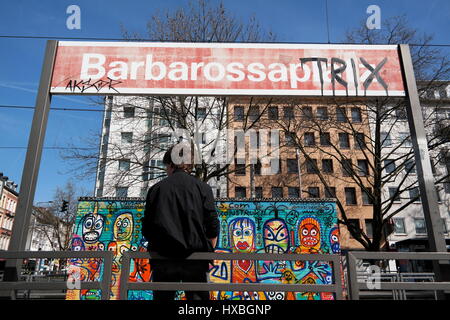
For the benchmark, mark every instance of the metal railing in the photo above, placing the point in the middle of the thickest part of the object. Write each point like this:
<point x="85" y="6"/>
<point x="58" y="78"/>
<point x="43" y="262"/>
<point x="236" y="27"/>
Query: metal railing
<point x="103" y="285"/>
<point x="336" y="287"/>
<point x="402" y="281"/>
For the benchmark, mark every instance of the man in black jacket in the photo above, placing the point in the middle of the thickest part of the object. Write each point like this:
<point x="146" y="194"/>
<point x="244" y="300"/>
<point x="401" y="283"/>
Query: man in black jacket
<point x="180" y="218"/>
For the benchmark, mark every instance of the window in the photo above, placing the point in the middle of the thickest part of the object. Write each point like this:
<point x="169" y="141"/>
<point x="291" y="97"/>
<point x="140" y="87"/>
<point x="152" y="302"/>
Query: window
<point x="310" y="139"/>
<point x="360" y="141"/>
<point x="311" y="165"/>
<point x="356" y="115"/>
<point x="240" y="167"/>
<point x="156" y="169"/>
<point x="399" y="226"/>
<point x="288" y="113"/>
<point x="385" y="139"/>
<point x="201" y="113"/>
<point x="369" y="228"/>
<point x="128" y="112"/>
<point x="290" y="138"/>
<point x="353" y="224"/>
<point x="327" y="165"/>
<point x="325" y="139"/>
<point x="400" y="113"/>
<point x="410" y="167"/>
<point x="404" y="139"/>
<point x="257" y="168"/>
<point x="292" y="165"/>
<point x="277" y="192"/>
<point x="253" y="113"/>
<point x="238" y="113"/>
<point x="421" y="228"/>
<point x="444" y="225"/>
<point x="347" y="167"/>
<point x="313" y="192"/>
<point x="122" y="192"/>
<point x="218" y="193"/>
<point x="363" y="168"/>
<point x="127" y="137"/>
<point x="258" y="192"/>
<point x="307" y="113"/>
<point x="344" y="141"/>
<point x="350" y="196"/>
<point x="447" y="187"/>
<point x="393" y="195"/>
<point x="330" y="192"/>
<point x="413" y="193"/>
<point x="341" y="115"/>
<point x="322" y="113"/>
<point x="389" y="165"/>
<point x="273" y="113"/>
<point x="124" y="165"/>
<point x="438" y="195"/>
<point x="240" y="192"/>
<point x="366" y="196"/>
<point x="293" y="192"/>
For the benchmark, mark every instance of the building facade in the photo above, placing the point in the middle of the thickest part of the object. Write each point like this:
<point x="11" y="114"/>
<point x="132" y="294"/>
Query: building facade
<point x="317" y="127"/>
<point x="8" y="206"/>
<point x="410" y="233"/>
<point x="138" y="130"/>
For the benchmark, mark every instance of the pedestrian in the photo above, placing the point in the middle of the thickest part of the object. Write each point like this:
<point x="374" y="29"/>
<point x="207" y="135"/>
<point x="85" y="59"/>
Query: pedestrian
<point x="180" y="218"/>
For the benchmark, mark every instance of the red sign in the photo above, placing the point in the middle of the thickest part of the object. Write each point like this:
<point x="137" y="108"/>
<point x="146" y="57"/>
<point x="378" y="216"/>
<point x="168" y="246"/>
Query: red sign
<point x="226" y="69"/>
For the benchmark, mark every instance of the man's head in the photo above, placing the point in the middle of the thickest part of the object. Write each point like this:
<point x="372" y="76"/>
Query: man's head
<point x="179" y="156"/>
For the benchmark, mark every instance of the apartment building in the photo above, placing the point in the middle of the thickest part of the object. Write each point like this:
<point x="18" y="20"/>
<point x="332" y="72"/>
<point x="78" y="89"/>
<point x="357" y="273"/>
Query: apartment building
<point x="318" y="126"/>
<point x="138" y="130"/>
<point x="410" y="233"/>
<point x="8" y="206"/>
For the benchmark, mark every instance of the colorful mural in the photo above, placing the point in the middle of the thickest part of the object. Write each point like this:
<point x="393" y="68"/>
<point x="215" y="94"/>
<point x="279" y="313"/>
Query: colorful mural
<point x="262" y="226"/>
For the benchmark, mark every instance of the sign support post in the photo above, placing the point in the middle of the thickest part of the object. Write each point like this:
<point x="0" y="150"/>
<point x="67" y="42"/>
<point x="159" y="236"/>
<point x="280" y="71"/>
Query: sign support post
<point x="435" y="230"/>
<point x="32" y="163"/>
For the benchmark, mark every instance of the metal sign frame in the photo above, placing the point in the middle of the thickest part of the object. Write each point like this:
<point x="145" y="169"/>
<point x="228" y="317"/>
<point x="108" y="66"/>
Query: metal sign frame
<point x="39" y="126"/>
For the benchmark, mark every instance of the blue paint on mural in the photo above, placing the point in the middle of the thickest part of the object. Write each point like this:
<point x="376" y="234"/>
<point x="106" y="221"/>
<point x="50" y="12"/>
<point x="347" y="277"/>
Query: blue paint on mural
<point x="283" y="226"/>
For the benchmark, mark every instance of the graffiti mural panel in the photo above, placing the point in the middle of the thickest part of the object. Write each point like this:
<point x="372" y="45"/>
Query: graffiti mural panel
<point x="261" y="226"/>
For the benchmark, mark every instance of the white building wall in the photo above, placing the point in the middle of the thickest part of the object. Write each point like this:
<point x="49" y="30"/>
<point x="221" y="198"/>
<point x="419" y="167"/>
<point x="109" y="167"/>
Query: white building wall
<point x="136" y="179"/>
<point x="412" y="213"/>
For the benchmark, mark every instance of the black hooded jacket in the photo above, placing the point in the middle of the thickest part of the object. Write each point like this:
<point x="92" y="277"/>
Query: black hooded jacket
<point x="180" y="216"/>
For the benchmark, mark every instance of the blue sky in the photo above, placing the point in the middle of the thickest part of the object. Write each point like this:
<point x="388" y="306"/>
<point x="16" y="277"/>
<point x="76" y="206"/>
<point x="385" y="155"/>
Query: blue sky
<point x="21" y="59"/>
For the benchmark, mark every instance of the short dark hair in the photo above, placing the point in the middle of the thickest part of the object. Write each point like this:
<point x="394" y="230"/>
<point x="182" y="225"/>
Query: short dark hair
<point x="167" y="159"/>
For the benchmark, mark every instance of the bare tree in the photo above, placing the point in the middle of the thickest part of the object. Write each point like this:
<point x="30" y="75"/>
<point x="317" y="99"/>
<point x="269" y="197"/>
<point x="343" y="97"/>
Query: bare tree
<point x="384" y="154"/>
<point x="55" y="224"/>
<point x="164" y="116"/>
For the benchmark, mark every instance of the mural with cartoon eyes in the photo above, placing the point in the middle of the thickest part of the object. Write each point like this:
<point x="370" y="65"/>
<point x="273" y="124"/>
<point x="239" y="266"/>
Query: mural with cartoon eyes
<point x="276" y="236"/>
<point x="309" y="233"/>
<point x="92" y="227"/>
<point x="123" y="227"/>
<point x="334" y="240"/>
<point x="242" y="232"/>
<point x="278" y="227"/>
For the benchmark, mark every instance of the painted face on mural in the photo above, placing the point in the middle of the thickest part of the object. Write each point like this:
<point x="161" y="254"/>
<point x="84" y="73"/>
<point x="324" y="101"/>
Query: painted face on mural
<point x="334" y="240"/>
<point x="77" y="244"/>
<point x="309" y="233"/>
<point x="123" y="227"/>
<point x="242" y="234"/>
<point x="92" y="227"/>
<point x="276" y="236"/>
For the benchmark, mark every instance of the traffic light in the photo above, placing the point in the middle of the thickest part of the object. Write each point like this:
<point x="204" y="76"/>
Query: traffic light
<point x="64" y="206"/>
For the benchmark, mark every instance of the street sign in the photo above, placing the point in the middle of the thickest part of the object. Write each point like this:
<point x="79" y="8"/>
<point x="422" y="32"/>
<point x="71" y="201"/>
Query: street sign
<point x="137" y="68"/>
